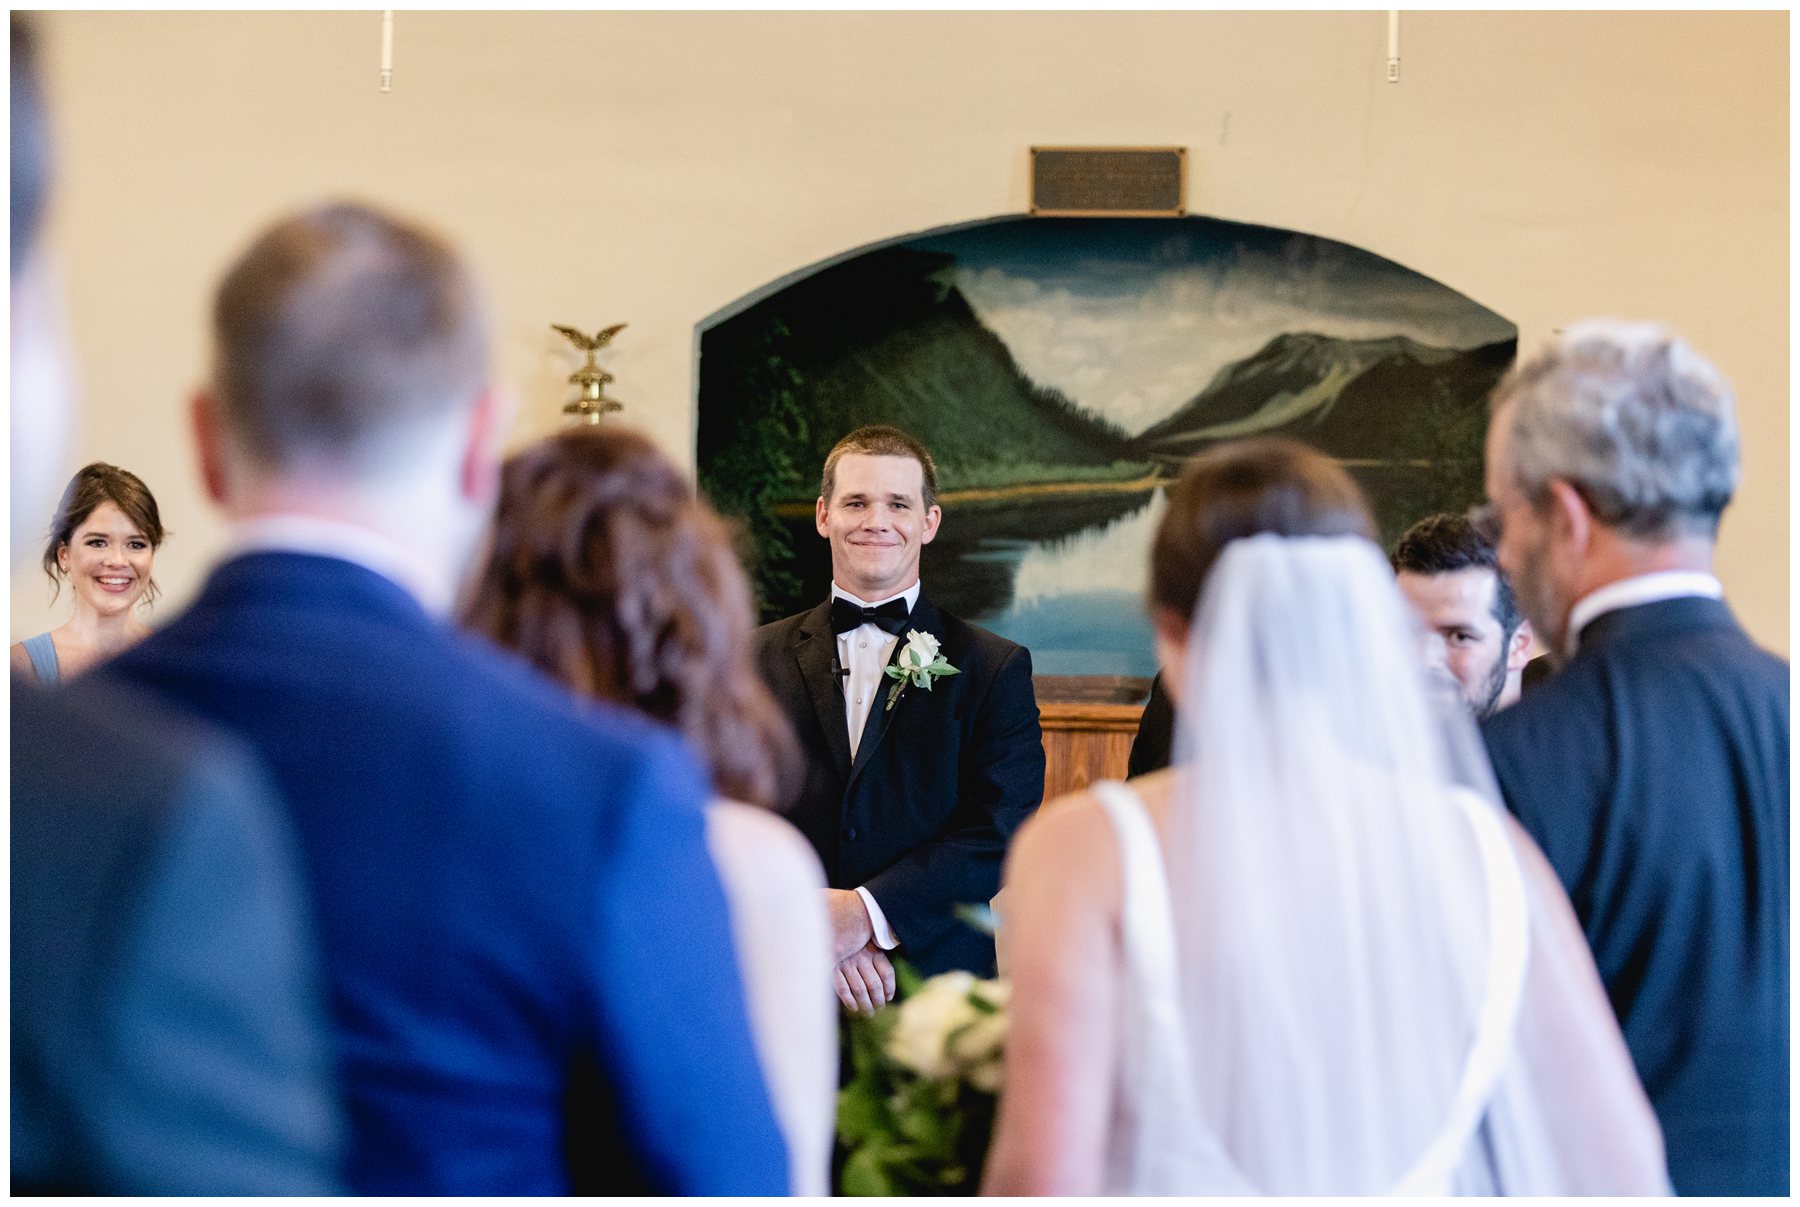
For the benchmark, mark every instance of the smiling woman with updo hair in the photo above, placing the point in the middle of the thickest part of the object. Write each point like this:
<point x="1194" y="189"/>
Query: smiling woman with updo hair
<point x="606" y="571"/>
<point x="103" y="541"/>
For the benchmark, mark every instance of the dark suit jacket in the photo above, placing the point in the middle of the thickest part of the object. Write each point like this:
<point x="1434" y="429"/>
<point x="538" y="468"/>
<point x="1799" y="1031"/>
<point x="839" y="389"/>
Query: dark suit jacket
<point x="1653" y="771"/>
<point x="1152" y="748"/>
<point x="168" y="1026"/>
<point x="922" y="817"/>
<point x="526" y="945"/>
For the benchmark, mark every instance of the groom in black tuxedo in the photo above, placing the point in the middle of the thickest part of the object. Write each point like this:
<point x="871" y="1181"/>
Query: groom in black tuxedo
<point x="911" y="793"/>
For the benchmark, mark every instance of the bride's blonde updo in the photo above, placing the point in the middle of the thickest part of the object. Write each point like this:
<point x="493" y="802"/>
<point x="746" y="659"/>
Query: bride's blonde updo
<point x="1242" y="489"/>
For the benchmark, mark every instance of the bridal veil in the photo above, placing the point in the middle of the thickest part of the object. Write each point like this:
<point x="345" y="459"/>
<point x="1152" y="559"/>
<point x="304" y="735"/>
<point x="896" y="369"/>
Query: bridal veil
<point x="1380" y="987"/>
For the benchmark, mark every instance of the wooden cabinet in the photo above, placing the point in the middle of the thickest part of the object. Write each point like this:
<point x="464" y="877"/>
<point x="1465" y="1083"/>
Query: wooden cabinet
<point x="1084" y="742"/>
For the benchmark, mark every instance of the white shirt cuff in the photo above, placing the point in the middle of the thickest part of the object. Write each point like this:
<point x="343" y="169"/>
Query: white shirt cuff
<point x="884" y="934"/>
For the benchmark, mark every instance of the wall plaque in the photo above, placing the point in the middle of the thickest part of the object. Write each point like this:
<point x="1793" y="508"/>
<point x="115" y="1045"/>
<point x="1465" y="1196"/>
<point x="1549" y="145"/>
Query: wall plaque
<point x="1119" y="182"/>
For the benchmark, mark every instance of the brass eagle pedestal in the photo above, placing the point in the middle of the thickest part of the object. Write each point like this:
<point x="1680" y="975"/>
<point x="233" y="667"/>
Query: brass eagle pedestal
<point x="592" y="379"/>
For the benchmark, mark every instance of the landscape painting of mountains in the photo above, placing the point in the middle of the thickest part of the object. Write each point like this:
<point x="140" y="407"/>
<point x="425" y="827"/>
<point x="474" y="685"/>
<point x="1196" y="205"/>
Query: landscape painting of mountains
<point x="1061" y="370"/>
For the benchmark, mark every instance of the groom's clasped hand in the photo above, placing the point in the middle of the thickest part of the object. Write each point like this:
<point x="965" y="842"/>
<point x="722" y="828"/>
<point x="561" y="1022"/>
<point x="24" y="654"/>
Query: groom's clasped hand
<point x="864" y="976"/>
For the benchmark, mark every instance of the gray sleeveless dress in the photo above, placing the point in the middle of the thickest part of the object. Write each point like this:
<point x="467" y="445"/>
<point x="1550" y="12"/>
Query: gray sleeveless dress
<point x="43" y="657"/>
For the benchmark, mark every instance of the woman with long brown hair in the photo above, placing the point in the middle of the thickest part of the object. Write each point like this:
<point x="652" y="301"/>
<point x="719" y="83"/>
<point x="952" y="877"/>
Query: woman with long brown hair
<point x="103" y="542"/>
<point x="608" y="572"/>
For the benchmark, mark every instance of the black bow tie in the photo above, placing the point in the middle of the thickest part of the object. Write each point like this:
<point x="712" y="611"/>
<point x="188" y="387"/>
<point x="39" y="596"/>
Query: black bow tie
<point x="890" y="617"/>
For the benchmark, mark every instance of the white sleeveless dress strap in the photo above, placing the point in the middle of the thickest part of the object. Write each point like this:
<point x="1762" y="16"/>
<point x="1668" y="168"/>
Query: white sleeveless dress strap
<point x="1508" y="950"/>
<point x="1148" y="921"/>
<point x="1159" y="1145"/>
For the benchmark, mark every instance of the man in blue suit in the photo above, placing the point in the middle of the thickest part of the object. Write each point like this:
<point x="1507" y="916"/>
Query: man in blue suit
<point x="526" y="947"/>
<point x="1653" y="767"/>
<point x="168" y="1032"/>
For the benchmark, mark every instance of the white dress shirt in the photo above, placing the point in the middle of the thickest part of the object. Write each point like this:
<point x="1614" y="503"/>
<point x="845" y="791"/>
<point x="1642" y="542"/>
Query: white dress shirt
<point x="864" y="652"/>
<point x="1639" y="589"/>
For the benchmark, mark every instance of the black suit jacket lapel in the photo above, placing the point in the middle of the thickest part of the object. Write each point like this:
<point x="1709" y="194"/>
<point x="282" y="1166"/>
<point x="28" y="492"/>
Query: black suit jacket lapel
<point x="924" y="618"/>
<point x="815" y="650"/>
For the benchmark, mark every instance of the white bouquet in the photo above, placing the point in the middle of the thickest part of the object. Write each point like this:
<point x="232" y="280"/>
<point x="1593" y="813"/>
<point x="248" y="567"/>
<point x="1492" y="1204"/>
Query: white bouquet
<point x="919" y="1113"/>
<point x="954" y="1026"/>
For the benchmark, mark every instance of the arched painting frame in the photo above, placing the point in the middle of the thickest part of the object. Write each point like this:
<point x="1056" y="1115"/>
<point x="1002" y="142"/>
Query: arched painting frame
<point x="1060" y="370"/>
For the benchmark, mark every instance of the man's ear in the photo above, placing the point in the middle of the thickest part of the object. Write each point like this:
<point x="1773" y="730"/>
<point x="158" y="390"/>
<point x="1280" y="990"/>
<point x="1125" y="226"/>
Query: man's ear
<point x="1570" y="517"/>
<point x="819" y="513"/>
<point x="489" y="420"/>
<point x="1518" y="650"/>
<point x="934" y="515"/>
<point x="209" y="444"/>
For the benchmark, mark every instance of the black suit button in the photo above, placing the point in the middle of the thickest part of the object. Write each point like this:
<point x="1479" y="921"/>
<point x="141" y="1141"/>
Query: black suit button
<point x="850" y="834"/>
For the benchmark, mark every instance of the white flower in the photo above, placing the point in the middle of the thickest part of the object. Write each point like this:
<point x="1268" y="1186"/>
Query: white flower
<point x="943" y="1032"/>
<point x="980" y="1041"/>
<point x="919" y="663"/>
<point x="921" y="1034"/>
<point x="921" y="649"/>
<point x="987" y="1076"/>
<point x="994" y="993"/>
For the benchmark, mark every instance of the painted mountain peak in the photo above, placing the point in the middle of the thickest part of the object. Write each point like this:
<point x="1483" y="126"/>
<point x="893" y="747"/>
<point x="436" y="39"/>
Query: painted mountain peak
<point x="1357" y="398"/>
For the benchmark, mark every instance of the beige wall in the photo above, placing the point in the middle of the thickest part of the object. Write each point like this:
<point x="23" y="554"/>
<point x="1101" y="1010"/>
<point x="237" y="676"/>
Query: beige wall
<point x="604" y="167"/>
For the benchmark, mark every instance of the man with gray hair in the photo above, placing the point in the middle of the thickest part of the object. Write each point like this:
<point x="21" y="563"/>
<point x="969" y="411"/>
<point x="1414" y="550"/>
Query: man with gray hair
<point x="1653" y="768"/>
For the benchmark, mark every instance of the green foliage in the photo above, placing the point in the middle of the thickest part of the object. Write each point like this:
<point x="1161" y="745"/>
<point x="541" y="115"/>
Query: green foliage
<point x="906" y="1134"/>
<point x="754" y="465"/>
<point x="907" y="979"/>
<point x="979" y="917"/>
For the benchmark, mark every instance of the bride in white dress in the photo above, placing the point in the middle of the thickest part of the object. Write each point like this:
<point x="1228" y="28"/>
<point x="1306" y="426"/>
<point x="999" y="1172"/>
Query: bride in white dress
<point x="1316" y="956"/>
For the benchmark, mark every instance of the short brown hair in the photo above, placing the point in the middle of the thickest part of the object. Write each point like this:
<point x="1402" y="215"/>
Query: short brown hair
<point x="91" y="486"/>
<point x="1446" y="543"/>
<point x="1243" y="489"/>
<point x="880" y="440"/>
<point x="608" y="572"/>
<point x="340" y="327"/>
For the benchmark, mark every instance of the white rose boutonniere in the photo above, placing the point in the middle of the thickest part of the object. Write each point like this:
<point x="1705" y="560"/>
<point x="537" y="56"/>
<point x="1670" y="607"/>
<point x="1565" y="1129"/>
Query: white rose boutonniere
<point x="919" y="662"/>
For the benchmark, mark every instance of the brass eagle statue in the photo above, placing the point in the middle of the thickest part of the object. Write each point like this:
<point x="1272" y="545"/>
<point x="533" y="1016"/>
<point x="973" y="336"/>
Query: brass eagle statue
<point x="590" y="343"/>
<point x="592" y="379"/>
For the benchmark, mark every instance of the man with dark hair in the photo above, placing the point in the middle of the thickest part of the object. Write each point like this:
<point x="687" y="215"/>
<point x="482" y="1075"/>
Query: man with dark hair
<point x="920" y="731"/>
<point x="1473" y="631"/>
<point x="527" y="946"/>
<point x="168" y="1029"/>
<point x="1653" y="768"/>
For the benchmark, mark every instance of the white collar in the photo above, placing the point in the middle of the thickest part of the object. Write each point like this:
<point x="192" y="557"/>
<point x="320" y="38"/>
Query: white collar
<point x="910" y="595"/>
<point x="1640" y="589"/>
<point x="296" y="533"/>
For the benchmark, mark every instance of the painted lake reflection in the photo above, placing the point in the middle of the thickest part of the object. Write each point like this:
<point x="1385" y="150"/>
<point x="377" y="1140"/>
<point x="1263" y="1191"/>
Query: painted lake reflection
<point x="1076" y="598"/>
